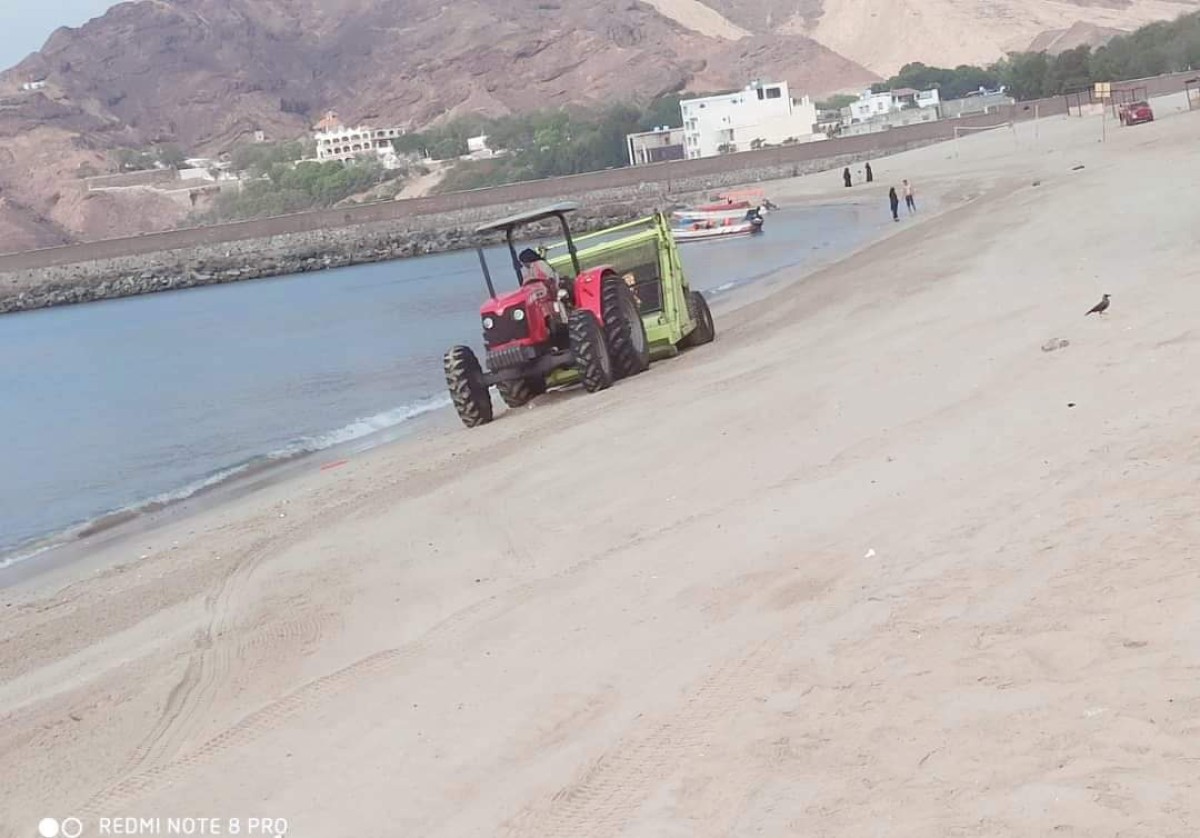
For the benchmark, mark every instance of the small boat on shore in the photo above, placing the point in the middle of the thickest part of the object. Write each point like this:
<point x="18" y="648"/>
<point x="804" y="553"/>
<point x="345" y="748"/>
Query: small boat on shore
<point x="690" y="216"/>
<point x="700" y="229"/>
<point x="727" y="231"/>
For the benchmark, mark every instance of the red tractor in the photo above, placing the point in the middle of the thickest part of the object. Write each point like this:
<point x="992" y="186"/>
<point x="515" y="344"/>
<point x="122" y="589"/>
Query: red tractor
<point x="551" y="330"/>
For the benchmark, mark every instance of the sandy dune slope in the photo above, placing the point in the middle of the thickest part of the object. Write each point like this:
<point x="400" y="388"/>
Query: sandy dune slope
<point x="883" y="35"/>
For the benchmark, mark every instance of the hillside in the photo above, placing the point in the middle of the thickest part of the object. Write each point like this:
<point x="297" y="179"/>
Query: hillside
<point x="207" y="74"/>
<point x="883" y="35"/>
<point x="1055" y="41"/>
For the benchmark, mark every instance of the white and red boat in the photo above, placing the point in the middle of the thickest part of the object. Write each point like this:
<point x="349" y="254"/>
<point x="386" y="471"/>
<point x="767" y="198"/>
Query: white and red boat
<point x="717" y="229"/>
<point x="689" y="216"/>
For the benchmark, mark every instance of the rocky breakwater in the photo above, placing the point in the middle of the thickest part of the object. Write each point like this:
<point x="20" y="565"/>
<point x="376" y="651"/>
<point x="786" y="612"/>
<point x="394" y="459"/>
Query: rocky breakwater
<point x="233" y="261"/>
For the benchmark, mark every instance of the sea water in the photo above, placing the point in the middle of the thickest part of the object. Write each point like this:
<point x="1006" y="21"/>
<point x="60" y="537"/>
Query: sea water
<point x="129" y="403"/>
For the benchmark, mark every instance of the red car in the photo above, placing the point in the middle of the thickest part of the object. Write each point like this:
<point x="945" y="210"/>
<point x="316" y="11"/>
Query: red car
<point x="1136" y="112"/>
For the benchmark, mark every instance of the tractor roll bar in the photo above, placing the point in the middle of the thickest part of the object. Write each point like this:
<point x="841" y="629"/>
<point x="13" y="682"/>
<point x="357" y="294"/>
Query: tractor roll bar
<point x="487" y="275"/>
<point x="566" y="228"/>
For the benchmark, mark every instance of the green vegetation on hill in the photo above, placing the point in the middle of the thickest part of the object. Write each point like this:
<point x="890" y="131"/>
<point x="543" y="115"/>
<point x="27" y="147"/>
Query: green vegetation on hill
<point x="541" y="144"/>
<point x="1152" y="50"/>
<point x="837" y="102"/>
<point x="258" y="159"/>
<point x="953" y="84"/>
<point x="284" y="186"/>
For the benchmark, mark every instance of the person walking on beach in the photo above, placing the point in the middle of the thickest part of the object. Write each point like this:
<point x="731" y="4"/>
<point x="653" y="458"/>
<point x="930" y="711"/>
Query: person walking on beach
<point x="895" y="202"/>
<point x="871" y="175"/>
<point x="846" y="177"/>
<point x="908" y="197"/>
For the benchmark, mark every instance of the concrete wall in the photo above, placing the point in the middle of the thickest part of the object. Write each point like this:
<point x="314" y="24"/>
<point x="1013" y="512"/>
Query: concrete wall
<point x="955" y="108"/>
<point x="889" y="121"/>
<point x="151" y="177"/>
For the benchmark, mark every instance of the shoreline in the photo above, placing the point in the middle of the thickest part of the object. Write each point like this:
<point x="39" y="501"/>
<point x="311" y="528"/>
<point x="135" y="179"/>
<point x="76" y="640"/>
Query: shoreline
<point x="211" y="260"/>
<point x="56" y="551"/>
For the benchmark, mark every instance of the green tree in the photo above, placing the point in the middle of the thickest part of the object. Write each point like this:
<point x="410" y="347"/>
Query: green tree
<point x="1024" y="74"/>
<point x="837" y="102"/>
<point x="170" y="156"/>
<point x="663" y="111"/>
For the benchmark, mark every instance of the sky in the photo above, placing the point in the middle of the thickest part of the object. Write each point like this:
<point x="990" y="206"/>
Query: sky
<point x="26" y="24"/>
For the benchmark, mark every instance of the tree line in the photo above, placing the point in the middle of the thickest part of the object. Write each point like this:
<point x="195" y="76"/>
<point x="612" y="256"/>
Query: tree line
<point x="540" y="144"/>
<point x="1154" y="49"/>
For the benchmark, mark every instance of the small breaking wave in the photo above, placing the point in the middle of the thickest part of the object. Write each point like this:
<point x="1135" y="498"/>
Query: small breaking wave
<point x="355" y="431"/>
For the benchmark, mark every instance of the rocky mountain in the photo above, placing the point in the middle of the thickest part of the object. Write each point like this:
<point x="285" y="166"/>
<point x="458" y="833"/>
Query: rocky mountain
<point x="207" y="74"/>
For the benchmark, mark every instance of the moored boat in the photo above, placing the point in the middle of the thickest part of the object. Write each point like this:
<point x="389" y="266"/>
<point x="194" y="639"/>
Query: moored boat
<point x="689" y="216"/>
<point x="714" y="229"/>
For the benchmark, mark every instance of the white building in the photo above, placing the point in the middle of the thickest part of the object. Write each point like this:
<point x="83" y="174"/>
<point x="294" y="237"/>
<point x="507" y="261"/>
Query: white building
<point x="655" y="146"/>
<point x="36" y="84"/>
<point x="762" y="114"/>
<point x="337" y="142"/>
<point x="872" y="105"/>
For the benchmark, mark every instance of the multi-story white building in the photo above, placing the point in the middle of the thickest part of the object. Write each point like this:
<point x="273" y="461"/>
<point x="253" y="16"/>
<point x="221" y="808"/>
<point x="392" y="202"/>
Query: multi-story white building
<point x="337" y="142"/>
<point x="762" y="114"/>
<point x="872" y="105"/>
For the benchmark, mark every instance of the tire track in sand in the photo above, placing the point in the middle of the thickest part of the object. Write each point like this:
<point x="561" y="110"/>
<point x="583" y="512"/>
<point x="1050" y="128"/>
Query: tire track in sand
<point x="610" y="789"/>
<point x="270" y="717"/>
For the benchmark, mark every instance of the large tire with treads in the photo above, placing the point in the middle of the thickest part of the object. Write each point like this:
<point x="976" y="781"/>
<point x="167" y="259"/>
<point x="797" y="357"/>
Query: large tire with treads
<point x="623" y="328"/>
<point x="522" y="391"/>
<point x="464" y="380"/>
<point x="706" y="329"/>
<point x="590" y="349"/>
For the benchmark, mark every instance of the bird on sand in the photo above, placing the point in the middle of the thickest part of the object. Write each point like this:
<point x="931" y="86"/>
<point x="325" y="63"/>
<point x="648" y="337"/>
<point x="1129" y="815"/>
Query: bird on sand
<point x="1100" y="307"/>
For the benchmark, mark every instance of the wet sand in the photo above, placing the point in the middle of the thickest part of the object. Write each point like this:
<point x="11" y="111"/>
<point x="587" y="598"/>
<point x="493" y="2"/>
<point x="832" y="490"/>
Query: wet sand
<point x="872" y="563"/>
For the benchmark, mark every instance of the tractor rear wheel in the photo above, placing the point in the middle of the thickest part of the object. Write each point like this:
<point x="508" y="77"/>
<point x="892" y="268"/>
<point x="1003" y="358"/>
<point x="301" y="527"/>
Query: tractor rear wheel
<point x="464" y="379"/>
<point x="520" y="392"/>
<point x="623" y="328"/>
<point x="706" y="329"/>
<point x="590" y="350"/>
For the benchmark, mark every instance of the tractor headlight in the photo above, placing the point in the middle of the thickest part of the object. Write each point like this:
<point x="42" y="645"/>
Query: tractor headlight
<point x="488" y="323"/>
<point x="519" y="315"/>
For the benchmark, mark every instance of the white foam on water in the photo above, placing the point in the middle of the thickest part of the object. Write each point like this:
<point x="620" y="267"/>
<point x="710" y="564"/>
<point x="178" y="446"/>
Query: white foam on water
<point x="360" y="428"/>
<point x="350" y="432"/>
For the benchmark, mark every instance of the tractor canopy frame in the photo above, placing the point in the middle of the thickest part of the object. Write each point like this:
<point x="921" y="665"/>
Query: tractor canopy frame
<point x="512" y="223"/>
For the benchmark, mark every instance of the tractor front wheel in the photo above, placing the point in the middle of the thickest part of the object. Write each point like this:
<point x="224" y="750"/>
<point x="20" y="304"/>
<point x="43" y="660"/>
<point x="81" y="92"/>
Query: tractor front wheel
<point x="623" y="328"/>
<point x="520" y="392"/>
<point x="592" y="360"/>
<point x="706" y="329"/>
<point x="464" y="379"/>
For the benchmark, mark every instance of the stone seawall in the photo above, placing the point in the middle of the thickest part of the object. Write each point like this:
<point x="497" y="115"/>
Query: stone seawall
<point x="300" y="252"/>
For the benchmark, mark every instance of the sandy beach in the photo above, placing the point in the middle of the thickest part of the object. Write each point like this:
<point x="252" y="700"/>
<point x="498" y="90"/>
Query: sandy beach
<point x="873" y="563"/>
